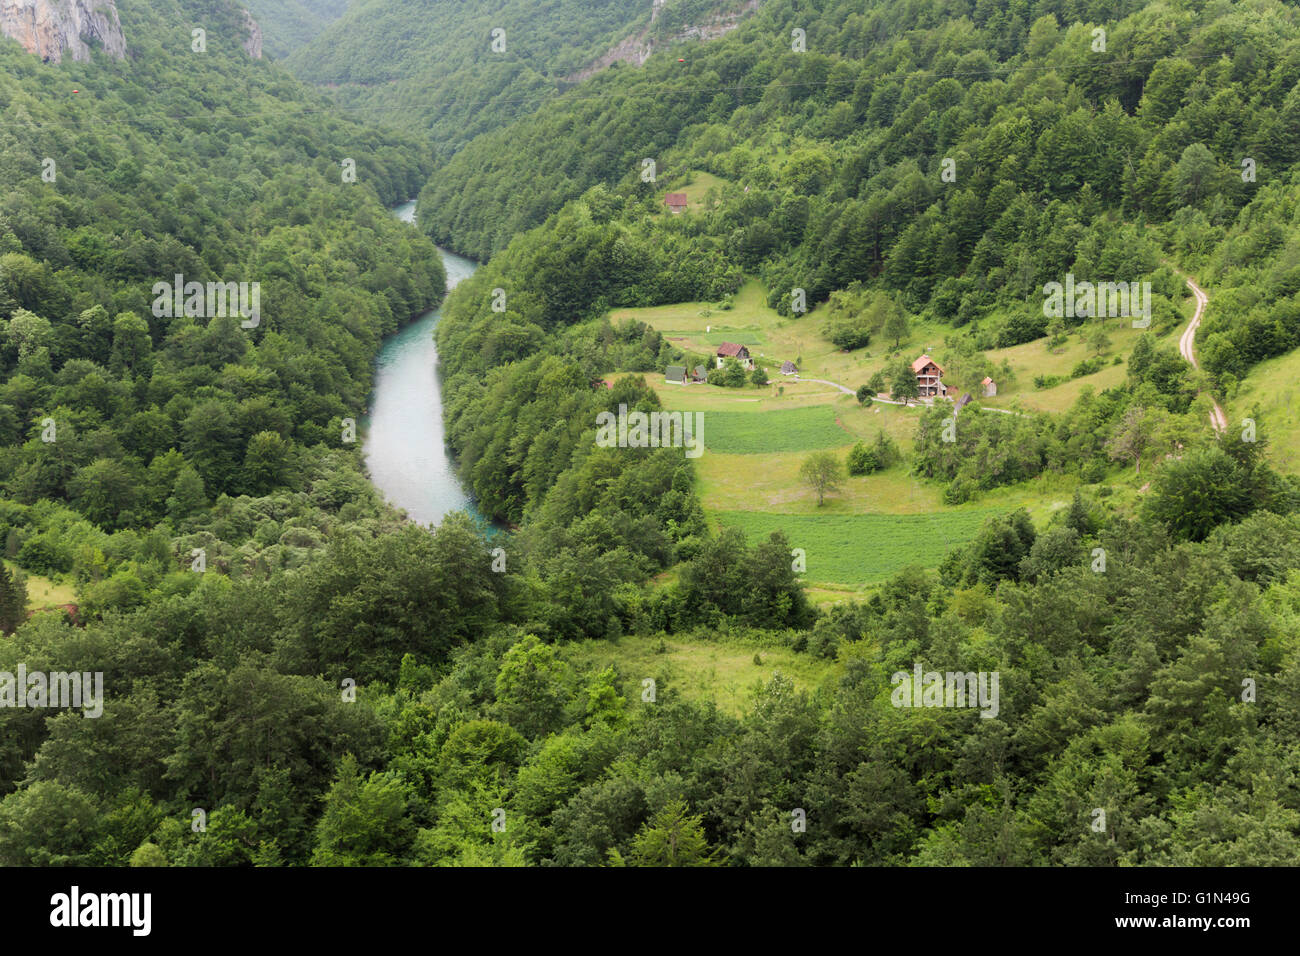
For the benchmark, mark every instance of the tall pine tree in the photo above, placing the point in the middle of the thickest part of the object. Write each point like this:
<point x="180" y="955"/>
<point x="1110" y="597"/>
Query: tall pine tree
<point x="13" y="601"/>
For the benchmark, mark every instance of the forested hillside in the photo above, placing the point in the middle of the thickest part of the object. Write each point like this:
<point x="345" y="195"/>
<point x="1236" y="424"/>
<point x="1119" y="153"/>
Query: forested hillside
<point x="288" y="24"/>
<point x="330" y="685"/>
<point x="455" y="70"/>
<point x="827" y="171"/>
<point x="1064" y="159"/>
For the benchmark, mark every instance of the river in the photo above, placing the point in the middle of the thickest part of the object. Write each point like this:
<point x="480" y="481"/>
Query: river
<point x="405" y="443"/>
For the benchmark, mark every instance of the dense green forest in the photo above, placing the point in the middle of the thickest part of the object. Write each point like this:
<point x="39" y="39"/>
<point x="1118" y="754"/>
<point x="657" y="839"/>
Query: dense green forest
<point x="831" y="161"/>
<point x="441" y="68"/>
<point x="333" y="686"/>
<point x="288" y="24"/>
<point x="1066" y="159"/>
<point x="451" y="71"/>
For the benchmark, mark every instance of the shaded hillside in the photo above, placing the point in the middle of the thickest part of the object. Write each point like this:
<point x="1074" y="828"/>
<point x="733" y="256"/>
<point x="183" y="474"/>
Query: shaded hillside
<point x="439" y="68"/>
<point x="288" y="24"/>
<point x="836" y="161"/>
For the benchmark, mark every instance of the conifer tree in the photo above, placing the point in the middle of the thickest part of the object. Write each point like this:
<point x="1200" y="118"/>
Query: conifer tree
<point x="13" y="601"/>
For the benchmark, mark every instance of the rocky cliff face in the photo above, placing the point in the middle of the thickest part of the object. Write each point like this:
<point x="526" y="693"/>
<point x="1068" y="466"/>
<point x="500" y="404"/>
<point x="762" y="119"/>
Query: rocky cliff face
<point x="637" y="48"/>
<point x="49" y="28"/>
<point x="253" y="45"/>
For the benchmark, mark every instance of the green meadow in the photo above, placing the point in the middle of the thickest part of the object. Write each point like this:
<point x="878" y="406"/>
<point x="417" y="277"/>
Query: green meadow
<point x="874" y="525"/>
<point x="862" y="549"/>
<point x="1270" y="395"/>
<point x="787" y="430"/>
<point x="43" y="592"/>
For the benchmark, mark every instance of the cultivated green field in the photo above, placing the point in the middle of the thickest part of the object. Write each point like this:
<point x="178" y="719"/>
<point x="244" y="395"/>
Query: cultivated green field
<point x="862" y="549"/>
<point x="756" y="433"/>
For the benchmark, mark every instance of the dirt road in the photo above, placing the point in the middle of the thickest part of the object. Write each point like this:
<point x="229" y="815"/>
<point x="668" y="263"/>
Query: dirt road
<point x="1187" y="344"/>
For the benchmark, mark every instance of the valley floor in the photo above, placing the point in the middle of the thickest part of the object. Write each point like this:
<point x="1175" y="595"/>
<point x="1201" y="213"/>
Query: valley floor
<point x="874" y="525"/>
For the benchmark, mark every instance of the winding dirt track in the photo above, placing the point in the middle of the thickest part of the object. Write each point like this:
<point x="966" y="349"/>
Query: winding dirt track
<point x="1186" y="345"/>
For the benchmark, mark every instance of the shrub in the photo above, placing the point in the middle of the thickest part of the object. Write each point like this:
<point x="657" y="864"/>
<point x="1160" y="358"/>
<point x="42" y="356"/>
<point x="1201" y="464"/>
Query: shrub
<point x="1088" y="367"/>
<point x="1020" y="328"/>
<point x="1093" y="471"/>
<point x="959" y="492"/>
<point x="862" y="460"/>
<point x="43" y="555"/>
<point x="848" y="336"/>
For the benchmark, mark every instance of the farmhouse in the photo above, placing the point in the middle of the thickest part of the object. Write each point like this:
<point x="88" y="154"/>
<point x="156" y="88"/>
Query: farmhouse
<point x="787" y="368"/>
<point x="676" y="203"/>
<point x="990" y="387"/>
<point x="676" y="375"/>
<point x="927" y="377"/>
<point x="731" y="350"/>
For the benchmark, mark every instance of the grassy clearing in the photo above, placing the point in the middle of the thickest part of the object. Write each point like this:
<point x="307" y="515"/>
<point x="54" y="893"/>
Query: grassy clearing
<point x="1031" y="359"/>
<point x="858" y="549"/>
<point x="717" y="334"/>
<point x="722" y="671"/>
<point x="1270" y="394"/>
<point x="771" y="483"/>
<point x="771" y="339"/>
<point x="873" y="525"/>
<point x="691" y="323"/>
<point x="700" y="326"/>
<point x="696" y="189"/>
<point x="42" y="592"/>
<point x="824" y="593"/>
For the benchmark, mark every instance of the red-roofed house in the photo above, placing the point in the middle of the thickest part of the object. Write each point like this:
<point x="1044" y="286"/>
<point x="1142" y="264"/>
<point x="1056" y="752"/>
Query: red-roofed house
<point x="676" y="203"/>
<point x="731" y="350"/>
<point x="927" y="377"/>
